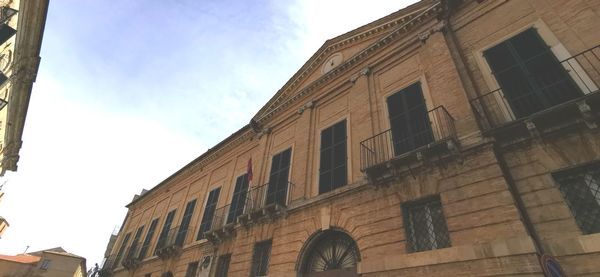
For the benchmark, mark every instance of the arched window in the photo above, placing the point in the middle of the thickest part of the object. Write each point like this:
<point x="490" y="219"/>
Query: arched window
<point x="331" y="253"/>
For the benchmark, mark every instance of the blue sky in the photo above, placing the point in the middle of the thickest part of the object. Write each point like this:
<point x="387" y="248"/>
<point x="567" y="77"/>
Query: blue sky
<point x="130" y="91"/>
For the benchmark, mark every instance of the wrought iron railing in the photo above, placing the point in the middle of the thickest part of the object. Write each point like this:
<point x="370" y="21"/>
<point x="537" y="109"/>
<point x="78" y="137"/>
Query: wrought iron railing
<point x="175" y="237"/>
<point x="577" y="77"/>
<point x="270" y="194"/>
<point x="131" y="258"/>
<point x="392" y="143"/>
<point x="109" y="264"/>
<point x="219" y="217"/>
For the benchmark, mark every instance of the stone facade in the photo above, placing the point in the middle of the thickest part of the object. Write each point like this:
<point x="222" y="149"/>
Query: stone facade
<point x="22" y="27"/>
<point x="496" y="184"/>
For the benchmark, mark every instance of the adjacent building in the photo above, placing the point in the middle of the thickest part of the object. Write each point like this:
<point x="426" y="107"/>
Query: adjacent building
<point x="449" y="138"/>
<point x="55" y="262"/>
<point x="21" y="31"/>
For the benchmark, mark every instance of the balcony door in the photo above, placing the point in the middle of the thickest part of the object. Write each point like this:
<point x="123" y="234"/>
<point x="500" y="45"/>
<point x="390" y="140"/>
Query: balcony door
<point x="530" y="76"/>
<point x="238" y="201"/>
<point x="409" y="122"/>
<point x="278" y="178"/>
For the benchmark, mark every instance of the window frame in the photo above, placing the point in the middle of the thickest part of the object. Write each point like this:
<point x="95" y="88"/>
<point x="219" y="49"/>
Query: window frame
<point x="556" y="47"/>
<point x="200" y="234"/>
<point x="557" y="175"/>
<point x="410" y="239"/>
<point x="221" y="266"/>
<point x="257" y="266"/>
<point x="347" y="158"/>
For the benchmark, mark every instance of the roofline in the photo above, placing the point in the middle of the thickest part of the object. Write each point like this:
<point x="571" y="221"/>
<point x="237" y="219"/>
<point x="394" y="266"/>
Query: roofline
<point x="332" y="43"/>
<point x="329" y="43"/>
<point x="192" y="163"/>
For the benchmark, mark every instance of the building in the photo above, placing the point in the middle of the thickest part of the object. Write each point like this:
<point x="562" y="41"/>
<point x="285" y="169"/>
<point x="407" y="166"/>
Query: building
<point x="55" y="262"/>
<point x="449" y="138"/>
<point x="21" y="31"/>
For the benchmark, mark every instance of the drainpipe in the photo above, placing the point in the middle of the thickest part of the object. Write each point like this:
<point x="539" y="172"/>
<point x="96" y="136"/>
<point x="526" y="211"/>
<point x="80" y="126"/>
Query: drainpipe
<point x="512" y="188"/>
<point x="465" y="76"/>
<point x="467" y="81"/>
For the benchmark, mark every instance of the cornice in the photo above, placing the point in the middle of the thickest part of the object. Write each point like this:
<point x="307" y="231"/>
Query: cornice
<point x="408" y="24"/>
<point x="403" y="25"/>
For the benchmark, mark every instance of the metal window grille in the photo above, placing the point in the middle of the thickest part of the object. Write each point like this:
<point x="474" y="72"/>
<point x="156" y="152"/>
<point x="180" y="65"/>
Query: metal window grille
<point x="425" y="225"/>
<point x="581" y="189"/>
<point x="260" y="259"/>
<point x="223" y="265"/>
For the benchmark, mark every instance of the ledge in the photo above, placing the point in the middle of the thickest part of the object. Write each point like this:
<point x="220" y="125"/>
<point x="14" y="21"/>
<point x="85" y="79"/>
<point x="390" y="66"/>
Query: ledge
<point x="492" y="249"/>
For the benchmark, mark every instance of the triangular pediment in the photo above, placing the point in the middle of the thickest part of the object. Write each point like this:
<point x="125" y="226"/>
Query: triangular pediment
<point x="342" y="48"/>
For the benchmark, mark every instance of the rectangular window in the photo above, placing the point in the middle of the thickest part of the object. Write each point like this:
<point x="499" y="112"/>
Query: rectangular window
<point x="409" y="122"/>
<point x="122" y="248"/>
<point x="135" y="243"/>
<point x="277" y="189"/>
<point x="209" y="212"/>
<point x="531" y="77"/>
<point x="332" y="168"/>
<point x="148" y="239"/>
<point x="185" y="222"/>
<point x="162" y="238"/>
<point x="425" y="225"/>
<point x="238" y="201"/>
<point x="260" y="258"/>
<point x="581" y="189"/>
<point x="223" y="265"/>
<point x="192" y="269"/>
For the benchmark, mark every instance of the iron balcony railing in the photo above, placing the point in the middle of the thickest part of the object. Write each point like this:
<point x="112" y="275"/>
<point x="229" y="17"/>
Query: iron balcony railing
<point x="219" y="217"/>
<point x="175" y="237"/>
<point x="109" y="264"/>
<point x="131" y="258"/>
<point x="393" y="143"/>
<point x="577" y="77"/>
<point x="270" y="194"/>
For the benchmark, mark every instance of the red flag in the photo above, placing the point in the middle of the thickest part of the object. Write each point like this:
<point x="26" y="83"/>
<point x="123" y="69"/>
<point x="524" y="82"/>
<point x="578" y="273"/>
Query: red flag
<point x="249" y="171"/>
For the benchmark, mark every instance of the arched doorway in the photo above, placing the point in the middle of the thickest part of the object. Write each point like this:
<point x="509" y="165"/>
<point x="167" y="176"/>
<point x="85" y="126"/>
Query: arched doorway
<point x="330" y="253"/>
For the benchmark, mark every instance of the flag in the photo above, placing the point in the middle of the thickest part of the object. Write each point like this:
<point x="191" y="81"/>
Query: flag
<point x="249" y="171"/>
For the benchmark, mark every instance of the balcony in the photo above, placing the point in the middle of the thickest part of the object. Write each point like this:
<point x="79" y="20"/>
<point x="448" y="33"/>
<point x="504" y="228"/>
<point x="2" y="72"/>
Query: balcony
<point x="110" y="263"/>
<point x="380" y="154"/>
<point x="221" y="228"/>
<point x="544" y="102"/>
<point x="171" y="244"/>
<point x="266" y="202"/>
<point x="131" y="260"/>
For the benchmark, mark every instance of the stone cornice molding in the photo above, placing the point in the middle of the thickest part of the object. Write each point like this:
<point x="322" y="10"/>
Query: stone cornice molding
<point x="403" y="25"/>
<point x="407" y="26"/>
<point x="344" y="40"/>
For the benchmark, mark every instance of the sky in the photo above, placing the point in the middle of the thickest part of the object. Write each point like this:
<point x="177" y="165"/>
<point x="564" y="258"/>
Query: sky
<point x="130" y="91"/>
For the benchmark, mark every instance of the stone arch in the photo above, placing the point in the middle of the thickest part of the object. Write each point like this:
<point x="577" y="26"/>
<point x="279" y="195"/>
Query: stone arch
<point x="331" y="252"/>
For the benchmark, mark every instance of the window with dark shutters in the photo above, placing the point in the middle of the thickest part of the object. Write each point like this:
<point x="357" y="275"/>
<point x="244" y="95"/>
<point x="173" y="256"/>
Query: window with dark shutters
<point x="332" y="167"/>
<point x="192" y="270"/>
<point x="185" y="222"/>
<point x="223" y="265"/>
<point x="277" y="189"/>
<point x="131" y="252"/>
<point x="529" y="74"/>
<point x="148" y="239"/>
<point x="238" y="201"/>
<point x="165" y="231"/>
<point x="260" y="258"/>
<point x="122" y="248"/>
<point x="409" y="122"/>
<point x="209" y="212"/>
